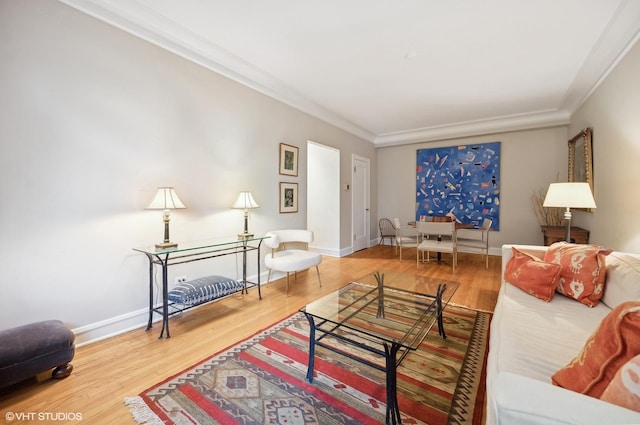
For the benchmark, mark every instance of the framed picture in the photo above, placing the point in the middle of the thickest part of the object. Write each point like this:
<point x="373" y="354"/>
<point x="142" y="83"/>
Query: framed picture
<point x="288" y="197"/>
<point x="288" y="160"/>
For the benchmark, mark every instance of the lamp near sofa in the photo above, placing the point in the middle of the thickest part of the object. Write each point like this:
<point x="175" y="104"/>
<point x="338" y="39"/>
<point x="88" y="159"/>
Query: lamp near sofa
<point x="569" y="195"/>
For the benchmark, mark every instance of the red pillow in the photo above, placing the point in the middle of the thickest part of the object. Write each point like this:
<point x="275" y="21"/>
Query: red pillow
<point x="613" y="344"/>
<point x="532" y="275"/>
<point x="624" y="390"/>
<point x="583" y="270"/>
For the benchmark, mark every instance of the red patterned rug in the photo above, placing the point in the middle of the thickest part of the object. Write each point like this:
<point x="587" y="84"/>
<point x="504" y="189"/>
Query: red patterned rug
<point x="262" y="381"/>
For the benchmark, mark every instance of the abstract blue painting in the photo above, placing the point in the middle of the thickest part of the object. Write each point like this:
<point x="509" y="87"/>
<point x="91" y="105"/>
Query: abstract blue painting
<point x="463" y="181"/>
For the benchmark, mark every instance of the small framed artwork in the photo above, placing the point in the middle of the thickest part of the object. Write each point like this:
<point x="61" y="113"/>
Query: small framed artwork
<point x="288" y="197"/>
<point x="288" y="160"/>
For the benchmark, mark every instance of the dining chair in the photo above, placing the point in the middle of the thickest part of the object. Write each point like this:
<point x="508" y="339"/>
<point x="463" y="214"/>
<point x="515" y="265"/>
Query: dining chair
<point x="437" y="237"/>
<point x="479" y="239"/>
<point x="387" y="230"/>
<point x="405" y="236"/>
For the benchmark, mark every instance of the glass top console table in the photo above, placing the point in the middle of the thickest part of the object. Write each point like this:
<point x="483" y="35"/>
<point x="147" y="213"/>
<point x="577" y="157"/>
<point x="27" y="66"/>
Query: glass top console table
<point x="385" y="313"/>
<point x="187" y="252"/>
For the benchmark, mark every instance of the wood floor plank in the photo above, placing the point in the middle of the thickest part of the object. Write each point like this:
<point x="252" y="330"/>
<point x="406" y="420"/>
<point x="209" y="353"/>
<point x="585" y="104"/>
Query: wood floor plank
<point x="107" y="371"/>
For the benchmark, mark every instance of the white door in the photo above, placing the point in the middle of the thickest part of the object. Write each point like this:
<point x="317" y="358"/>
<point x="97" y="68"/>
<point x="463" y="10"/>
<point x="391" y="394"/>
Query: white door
<point x="361" y="218"/>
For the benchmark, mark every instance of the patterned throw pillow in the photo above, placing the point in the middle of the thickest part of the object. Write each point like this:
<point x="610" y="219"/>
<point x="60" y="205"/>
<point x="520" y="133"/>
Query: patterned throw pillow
<point x="624" y="390"/>
<point x="583" y="270"/>
<point x="532" y="275"/>
<point x="614" y="343"/>
<point x="203" y="289"/>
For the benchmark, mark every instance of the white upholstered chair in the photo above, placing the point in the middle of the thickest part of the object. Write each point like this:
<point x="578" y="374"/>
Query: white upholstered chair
<point x="290" y="252"/>
<point x="436" y="237"/>
<point x="476" y="239"/>
<point x="405" y="236"/>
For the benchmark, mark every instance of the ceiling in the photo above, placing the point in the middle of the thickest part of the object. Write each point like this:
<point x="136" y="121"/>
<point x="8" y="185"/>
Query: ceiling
<point x="403" y="71"/>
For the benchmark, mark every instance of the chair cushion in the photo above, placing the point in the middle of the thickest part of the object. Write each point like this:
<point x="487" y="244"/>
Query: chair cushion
<point x="292" y="260"/>
<point x="436" y="245"/>
<point x="204" y="289"/>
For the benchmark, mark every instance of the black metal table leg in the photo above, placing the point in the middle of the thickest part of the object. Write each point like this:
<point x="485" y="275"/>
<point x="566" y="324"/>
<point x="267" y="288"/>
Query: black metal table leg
<point x="441" y="289"/>
<point x="165" y="300"/>
<point x="312" y="347"/>
<point x="393" y="410"/>
<point x="150" y="321"/>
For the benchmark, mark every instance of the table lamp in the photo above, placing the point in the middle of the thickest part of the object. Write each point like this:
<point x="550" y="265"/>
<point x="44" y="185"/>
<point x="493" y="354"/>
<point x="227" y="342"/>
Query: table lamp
<point x="245" y="201"/>
<point x="569" y="195"/>
<point x="166" y="199"/>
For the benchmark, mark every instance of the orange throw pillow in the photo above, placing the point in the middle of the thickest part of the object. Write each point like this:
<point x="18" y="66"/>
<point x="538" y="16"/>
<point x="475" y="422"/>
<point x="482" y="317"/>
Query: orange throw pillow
<point x="613" y="344"/>
<point x="532" y="275"/>
<point x="583" y="270"/>
<point x="624" y="390"/>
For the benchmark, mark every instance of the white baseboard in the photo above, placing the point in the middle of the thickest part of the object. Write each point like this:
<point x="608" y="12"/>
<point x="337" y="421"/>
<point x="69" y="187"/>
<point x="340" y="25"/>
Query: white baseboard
<point x="126" y="322"/>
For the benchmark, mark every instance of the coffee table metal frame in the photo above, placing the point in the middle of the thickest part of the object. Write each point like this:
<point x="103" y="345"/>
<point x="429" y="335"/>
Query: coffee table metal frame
<point x="397" y="330"/>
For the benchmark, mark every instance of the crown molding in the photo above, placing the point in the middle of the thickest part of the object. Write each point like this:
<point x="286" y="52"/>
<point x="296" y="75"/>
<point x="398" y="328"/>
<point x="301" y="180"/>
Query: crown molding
<point x="476" y="128"/>
<point x="132" y="17"/>
<point x="150" y="26"/>
<point x="621" y="33"/>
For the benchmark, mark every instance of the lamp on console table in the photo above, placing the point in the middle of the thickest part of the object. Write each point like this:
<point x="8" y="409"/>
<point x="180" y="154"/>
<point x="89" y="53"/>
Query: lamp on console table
<point x="246" y="202"/>
<point x="166" y="199"/>
<point x="569" y="195"/>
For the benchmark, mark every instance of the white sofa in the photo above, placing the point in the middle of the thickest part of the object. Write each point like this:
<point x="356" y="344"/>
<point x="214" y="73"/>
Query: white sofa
<point x="530" y="340"/>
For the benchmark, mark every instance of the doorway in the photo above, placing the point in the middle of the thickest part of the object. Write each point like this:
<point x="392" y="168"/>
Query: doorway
<point x="323" y="197"/>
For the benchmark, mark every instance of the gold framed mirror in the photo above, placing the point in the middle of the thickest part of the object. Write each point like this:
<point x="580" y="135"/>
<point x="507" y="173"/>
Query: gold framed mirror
<point x="581" y="159"/>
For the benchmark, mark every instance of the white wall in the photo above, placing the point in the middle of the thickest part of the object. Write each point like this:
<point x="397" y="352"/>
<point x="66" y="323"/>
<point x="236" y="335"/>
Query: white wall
<point x="92" y="120"/>
<point x="530" y="161"/>
<point x="613" y="111"/>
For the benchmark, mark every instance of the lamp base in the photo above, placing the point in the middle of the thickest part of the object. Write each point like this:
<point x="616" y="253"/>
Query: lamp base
<point x="244" y="236"/>
<point x="166" y="245"/>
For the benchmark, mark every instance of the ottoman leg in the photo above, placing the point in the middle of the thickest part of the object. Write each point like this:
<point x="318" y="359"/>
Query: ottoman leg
<point x="62" y="371"/>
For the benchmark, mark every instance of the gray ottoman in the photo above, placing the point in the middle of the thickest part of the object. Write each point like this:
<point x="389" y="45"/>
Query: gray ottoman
<point x="31" y="349"/>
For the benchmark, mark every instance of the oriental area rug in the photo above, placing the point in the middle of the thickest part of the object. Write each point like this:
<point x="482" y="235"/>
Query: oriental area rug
<point x="261" y="380"/>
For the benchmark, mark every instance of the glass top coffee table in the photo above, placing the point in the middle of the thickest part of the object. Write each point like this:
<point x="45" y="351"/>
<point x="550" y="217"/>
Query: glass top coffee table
<point x="385" y="313"/>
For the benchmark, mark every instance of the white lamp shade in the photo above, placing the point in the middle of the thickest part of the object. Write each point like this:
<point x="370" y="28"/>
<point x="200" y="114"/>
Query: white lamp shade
<point x="245" y="201"/>
<point x="166" y="199"/>
<point x="569" y="195"/>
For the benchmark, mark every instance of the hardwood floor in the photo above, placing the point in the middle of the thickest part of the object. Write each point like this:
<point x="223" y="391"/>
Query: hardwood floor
<point x="107" y="371"/>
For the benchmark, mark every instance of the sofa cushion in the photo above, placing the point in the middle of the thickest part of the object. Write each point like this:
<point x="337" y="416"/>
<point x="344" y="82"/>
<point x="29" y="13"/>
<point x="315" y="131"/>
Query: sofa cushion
<point x="623" y="279"/>
<point x="614" y="342"/>
<point x="532" y="275"/>
<point x="204" y="289"/>
<point x="624" y="389"/>
<point x="583" y="270"/>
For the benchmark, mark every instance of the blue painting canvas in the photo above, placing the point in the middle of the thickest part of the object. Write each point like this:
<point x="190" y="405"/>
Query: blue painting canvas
<point x="463" y="181"/>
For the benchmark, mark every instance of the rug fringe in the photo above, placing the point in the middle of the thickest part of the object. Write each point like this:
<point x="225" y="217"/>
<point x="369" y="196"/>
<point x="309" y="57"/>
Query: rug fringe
<point x="141" y="413"/>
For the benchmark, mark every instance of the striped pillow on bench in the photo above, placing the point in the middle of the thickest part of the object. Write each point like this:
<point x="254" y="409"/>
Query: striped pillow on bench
<point x="204" y="289"/>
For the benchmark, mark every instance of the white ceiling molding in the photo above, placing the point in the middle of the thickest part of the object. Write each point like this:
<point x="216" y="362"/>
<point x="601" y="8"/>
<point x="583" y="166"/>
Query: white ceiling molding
<point x="476" y="128"/>
<point x="620" y="33"/>
<point x="144" y="23"/>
